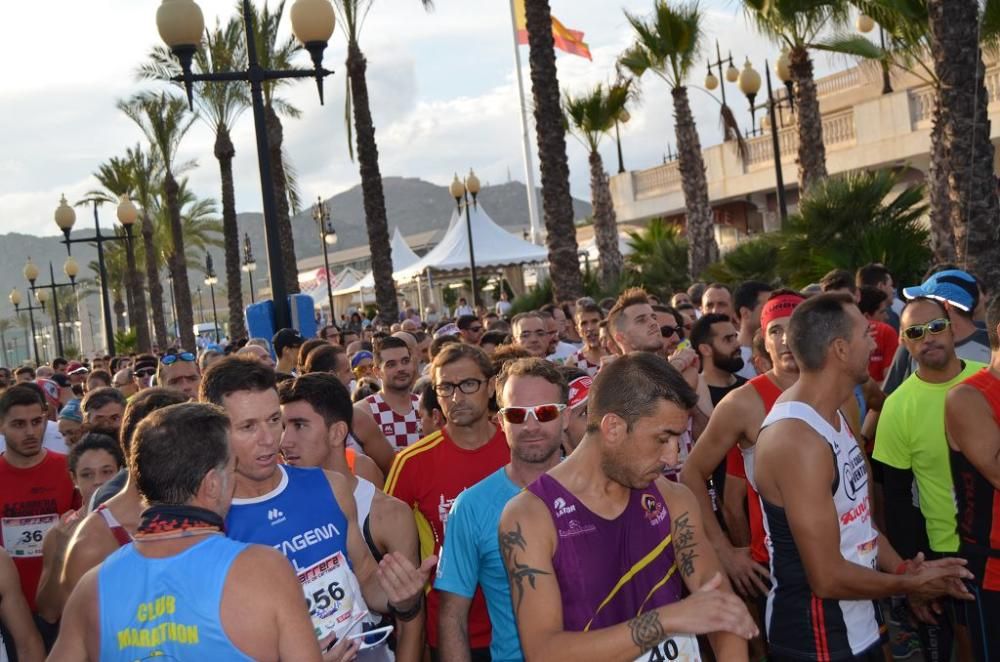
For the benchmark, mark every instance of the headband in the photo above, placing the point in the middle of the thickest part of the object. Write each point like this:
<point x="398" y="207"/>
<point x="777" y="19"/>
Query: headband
<point x="778" y="307"/>
<point x="359" y="357"/>
<point x="579" y="390"/>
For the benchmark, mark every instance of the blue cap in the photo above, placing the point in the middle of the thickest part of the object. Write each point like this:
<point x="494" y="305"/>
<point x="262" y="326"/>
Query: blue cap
<point x="71" y="411"/>
<point x="953" y="286"/>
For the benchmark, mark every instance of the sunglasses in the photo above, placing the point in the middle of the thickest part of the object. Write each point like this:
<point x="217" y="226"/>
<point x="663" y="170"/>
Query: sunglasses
<point x="170" y="359"/>
<point x="934" y="327"/>
<point x="146" y="372"/>
<point x="666" y="330"/>
<point x="542" y="413"/>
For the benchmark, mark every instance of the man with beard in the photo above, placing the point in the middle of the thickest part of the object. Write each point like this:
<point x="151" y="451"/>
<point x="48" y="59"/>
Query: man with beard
<point x="430" y="474"/>
<point x="392" y="412"/>
<point x="910" y="444"/>
<point x="588" y="325"/>
<point x="600" y="549"/>
<point x="748" y="300"/>
<point x="532" y="397"/>
<point x="829" y="563"/>
<point x="633" y="323"/>
<point x="531" y="334"/>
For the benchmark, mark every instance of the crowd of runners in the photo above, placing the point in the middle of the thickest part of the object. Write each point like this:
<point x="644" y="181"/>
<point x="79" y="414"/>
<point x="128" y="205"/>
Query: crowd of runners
<point x="719" y="474"/>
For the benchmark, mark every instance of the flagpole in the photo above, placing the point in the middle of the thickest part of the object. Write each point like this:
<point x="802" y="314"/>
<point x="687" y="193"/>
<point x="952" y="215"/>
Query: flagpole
<point x="529" y="168"/>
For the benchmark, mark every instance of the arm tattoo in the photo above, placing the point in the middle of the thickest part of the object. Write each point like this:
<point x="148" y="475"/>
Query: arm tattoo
<point x="510" y="542"/>
<point x="684" y="544"/>
<point x="646" y="630"/>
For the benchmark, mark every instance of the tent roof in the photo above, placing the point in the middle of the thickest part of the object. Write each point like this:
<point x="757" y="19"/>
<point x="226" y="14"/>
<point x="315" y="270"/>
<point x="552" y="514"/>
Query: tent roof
<point x="402" y="257"/>
<point x="494" y="247"/>
<point x="316" y="288"/>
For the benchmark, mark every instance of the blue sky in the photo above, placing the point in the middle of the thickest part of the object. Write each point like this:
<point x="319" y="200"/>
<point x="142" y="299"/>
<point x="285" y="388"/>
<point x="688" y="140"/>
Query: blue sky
<point x="441" y="85"/>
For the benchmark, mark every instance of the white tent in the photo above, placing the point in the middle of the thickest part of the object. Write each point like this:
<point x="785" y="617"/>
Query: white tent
<point x="494" y="247"/>
<point x="590" y="247"/>
<point x="313" y="283"/>
<point x="402" y="257"/>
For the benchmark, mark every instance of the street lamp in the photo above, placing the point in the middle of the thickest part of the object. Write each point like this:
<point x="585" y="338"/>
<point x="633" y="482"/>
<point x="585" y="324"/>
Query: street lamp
<point x="249" y="263"/>
<point x="866" y="24"/>
<point x="181" y="25"/>
<point x="65" y="218"/>
<point x="461" y="192"/>
<point x="70" y="268"/>
<point x="750" y="84"/>
<point x="211" y="279"/>
<point x="327" y="237"/>
<point x="15" y="298"/>
<point x="623" y="118"/>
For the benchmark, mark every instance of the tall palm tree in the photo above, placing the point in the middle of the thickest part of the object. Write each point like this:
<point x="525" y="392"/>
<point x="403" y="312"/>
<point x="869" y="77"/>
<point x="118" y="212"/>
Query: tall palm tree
<point x="146" y="173"/>
<point x="659" y="257"/>
<point x="797" y="25"/>
<point x="667" y="45"/>
<point x="117" y="179"/>
<point x="557" y="204"/>
<point x="164" y="121"/>
<point x="967" y="146"/>
<point x="591" y="116"/>
<point x="352" y="14"/>
<point x="219" y="105"/>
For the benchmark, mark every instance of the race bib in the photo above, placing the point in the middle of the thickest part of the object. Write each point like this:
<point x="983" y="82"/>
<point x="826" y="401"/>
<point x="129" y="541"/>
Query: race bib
<point x="333" y="596"/>
<point x="22" y="536"/>
<point x="681" y="647"/>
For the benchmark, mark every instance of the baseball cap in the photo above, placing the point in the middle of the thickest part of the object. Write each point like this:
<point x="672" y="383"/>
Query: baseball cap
<point x="953" y="286"/>
<point x="358" y="357"/>
<point x="74" y="367"/>
<point x="579" y="391"/>
<point x="286" y="338"/>
<point x="71" y="411"/>
<point x="145" y="363"/>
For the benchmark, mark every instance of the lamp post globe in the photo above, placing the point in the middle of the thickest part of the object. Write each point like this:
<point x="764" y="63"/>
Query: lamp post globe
<point x="127" y="212"/>
<point x="329" y="234"/>
<point x="65" y="216"/>
<point x="30" y="271"/>
<point x="783" y="67"/>
<point x="180" y="23"/>
<point x="864" y="23"/>
<point x="472" y="183"/>
<point x="312" y="21"/>
<point x="42" y="296"/>
<point x="732" y="73"/>
<point x="15" y="297"/>
<point x="71" y="268"/>
<point x="456" y="188"/>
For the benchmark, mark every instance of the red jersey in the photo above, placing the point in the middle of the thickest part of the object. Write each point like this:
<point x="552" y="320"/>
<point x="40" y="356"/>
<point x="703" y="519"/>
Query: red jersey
<point x="769" y="393"/>
<point x="886" y="342"/>
<point x="31" y="502"/>
<point x="429" y="475"/>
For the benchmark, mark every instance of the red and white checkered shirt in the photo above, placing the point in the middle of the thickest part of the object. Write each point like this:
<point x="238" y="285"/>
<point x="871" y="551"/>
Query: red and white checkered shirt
<point x="583" y="363"/>
<point x="401" y="430"/>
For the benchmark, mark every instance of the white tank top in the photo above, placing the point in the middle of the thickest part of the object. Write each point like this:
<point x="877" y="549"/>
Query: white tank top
<point x="364" y="492"/>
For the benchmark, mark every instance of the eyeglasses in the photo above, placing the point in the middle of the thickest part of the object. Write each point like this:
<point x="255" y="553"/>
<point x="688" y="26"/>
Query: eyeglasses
<point x="666" y="330"/>
<point x="934" y="327"/>
<point x="467" y="386"/>
<point x="542" y="413"/>
<point x="170" y="359"/>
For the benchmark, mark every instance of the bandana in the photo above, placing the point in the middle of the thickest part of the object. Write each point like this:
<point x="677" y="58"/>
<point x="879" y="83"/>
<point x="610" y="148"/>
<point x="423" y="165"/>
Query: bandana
<point x="359" y="357"/>
<point x="778" y="307"/>
<point x="579" y="391"/>
<point x="177" y="521"/>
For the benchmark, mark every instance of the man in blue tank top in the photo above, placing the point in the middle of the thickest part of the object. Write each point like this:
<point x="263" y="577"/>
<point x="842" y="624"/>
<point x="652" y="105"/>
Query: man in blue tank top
<point x="308" y="514"/>
<point x="180" y="591"/>
<point x="600" y="548"/>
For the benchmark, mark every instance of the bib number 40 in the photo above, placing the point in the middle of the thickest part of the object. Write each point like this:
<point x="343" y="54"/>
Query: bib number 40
<point x="324" y="598"/>
<point x="663" y="651"/>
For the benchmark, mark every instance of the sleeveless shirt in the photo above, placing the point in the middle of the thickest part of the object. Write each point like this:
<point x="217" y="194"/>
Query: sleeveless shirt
<point x="166" y="607"/>
<point x="799" y="623"/>
<point x="400" y="430"/>
<point x="769" y="394"/>
<point x="121" y="536"/>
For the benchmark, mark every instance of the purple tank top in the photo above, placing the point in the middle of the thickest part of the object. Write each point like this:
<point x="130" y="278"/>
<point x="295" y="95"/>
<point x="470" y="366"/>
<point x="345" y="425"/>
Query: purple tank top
<point x="602" y="567"/>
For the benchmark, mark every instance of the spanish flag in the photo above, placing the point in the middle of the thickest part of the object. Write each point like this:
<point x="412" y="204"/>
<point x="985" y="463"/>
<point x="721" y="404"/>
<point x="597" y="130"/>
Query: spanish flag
<point x="566" y="40"/>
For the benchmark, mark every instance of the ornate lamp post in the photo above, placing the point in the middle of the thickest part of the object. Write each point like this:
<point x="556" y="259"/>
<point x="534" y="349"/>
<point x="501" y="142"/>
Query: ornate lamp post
<point x="181" y="25"/>
<point x="866" y="24"/>
<point x="327" y="237"/>
<point x="623" y="118"/>
<point x="460" y="191"/>
<point x="249" y="263"/>
<point x="211" y="279"/>
<point x="749" y="82"/>
<point x="71" y="268"/>
<point x="15" y="298"/>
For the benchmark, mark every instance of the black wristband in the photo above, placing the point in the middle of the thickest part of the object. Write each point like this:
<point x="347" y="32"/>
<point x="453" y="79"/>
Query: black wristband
<point x="409" y="615"/>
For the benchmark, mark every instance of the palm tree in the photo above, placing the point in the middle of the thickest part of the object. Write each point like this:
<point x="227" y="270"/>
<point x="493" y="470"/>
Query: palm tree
<point x="146" y="177"/>
<point x="668" y="46"/>
<point x="351" y="14"/>
<point x="797" y="25"/>
<point x="557" y="204"/>
<point x="162" y="118"/>
<point x="659" y="257"/>
<point x="219" y="105"/>
<point x="590" y="116"/>
<point x="115" y="266"/>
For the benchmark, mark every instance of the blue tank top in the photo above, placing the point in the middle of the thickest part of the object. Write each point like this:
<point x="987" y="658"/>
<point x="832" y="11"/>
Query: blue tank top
<point x="166" y="608"/>
<point x="300" y="518"/>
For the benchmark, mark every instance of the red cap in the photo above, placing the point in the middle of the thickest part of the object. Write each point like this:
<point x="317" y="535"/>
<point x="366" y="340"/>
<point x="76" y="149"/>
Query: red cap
<point x="579" y="391"/>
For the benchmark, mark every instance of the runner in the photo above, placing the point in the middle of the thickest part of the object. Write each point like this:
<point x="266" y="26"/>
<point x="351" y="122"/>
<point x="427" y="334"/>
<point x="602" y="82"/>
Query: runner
<point x="532" y="394"/>
<point x="717" y="299"/>
<point x="748" y="300"/>
<point x="828" y="562"/>
<point x="19" y="639"/>
<point x="103" y="409"/>
<point x="530" y="333"/>
<point x="181" y="590"/>
<point x="588" y="324"/>
<point x="179" y="370"/>
<point x="316" y="411"/>
<point x="576" y="406"/>
<point x="972" y="417"/>
<point x="430" y="474"/>
<point x="632" y="323"/>
<point x="35" y="489"/>
<point x="392" y="412"/>
<point x="307" y="513"/>
<point x="286" y="343"/>
<point x="470" y="329"/>
<point x="577" y="597"/>
<point x="910" y="444"/>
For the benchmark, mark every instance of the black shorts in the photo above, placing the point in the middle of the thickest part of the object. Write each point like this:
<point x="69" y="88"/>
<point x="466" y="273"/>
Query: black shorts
<point x="983" y="620"/>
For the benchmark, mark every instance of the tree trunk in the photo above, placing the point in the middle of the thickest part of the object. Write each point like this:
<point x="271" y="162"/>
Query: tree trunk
<point x="702" y="247"/>
<point x="119" y="307"/>
<point x="275" y="138"/>
<point x="605" y="223"/>
<point x="224" y="152"/>
<point x="812" y="152"/>
<point x="153" y="281"/>
<point x="371" y="187"/>
<point x="557" y="204"/>
<point x="137" y="302"/>
<point x="975" y="209"/>
<point x="178" y="267"/>
<point x="939" y="191"/>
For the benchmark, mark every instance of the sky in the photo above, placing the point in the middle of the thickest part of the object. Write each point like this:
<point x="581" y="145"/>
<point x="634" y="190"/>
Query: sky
<point x="441" y="83"/>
